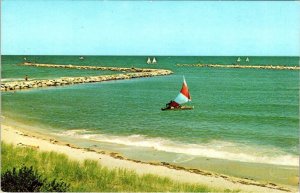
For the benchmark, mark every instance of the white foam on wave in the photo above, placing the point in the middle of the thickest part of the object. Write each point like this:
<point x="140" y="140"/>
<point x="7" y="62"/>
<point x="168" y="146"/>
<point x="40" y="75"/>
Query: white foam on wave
<point x="213" y="149"/>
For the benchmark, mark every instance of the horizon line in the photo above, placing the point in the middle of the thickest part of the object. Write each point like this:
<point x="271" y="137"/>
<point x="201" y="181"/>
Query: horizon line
<point x="153" y="55"/>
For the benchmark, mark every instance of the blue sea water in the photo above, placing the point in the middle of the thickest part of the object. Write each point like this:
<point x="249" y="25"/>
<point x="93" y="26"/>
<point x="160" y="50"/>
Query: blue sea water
<point x="249" y="115"/>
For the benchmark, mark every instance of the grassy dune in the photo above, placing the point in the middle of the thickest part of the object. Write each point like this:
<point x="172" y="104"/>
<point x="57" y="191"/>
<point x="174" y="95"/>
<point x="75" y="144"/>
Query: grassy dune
<point x="89" y="175"/>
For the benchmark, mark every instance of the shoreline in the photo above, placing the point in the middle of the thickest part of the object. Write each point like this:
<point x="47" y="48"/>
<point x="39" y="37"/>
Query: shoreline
<point x="129" y="73"/>
<point x="22" y="137"/>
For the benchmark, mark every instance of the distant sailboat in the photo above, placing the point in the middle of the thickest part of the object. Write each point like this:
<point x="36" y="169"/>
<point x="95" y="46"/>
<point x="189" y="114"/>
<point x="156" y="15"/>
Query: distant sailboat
<point x="154" y="61"/>
<point x="247" y="59"/>
<point x="149" y="61"/>
<point x="182" y="98"/>
<point x="239" y="59"/>
<point x="81" y="58"/>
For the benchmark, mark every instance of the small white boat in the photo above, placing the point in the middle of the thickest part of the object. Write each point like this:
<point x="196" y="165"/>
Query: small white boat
<point x="81" y="58"/>
<point x="239" y="59"/>
<point x="154" y="61"/>
<point x="247" y="59"/>
<point x="149" y="61"/>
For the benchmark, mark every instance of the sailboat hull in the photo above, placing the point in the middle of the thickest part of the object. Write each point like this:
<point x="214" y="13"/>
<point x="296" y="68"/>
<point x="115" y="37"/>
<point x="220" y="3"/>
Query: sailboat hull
<point x="177" y="108"/>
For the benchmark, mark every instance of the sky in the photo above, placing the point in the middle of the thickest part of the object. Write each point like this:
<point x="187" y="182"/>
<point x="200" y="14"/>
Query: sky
<point x="192" y="28"/>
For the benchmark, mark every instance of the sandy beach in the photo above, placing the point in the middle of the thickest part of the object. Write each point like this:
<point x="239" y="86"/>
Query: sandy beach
<point x="20" y="137"/>
<point x="150" y="96"/>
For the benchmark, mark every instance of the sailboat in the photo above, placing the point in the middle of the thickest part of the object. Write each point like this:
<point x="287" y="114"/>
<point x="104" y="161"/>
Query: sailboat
<point x="182" y="98"/>
<point x="247" y="59"/>
<point x="149" y="61"/>
<point x="154" y="61"/>
<point x="239" y="59"/>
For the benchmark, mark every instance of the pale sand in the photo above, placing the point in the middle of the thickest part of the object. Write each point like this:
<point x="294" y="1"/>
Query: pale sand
<point x="20" y="137"/>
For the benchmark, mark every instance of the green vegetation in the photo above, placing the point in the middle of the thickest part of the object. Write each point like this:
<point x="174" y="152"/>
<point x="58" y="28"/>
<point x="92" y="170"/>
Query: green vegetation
<point x="27" y="180"/>
<point x="89" y="175"/>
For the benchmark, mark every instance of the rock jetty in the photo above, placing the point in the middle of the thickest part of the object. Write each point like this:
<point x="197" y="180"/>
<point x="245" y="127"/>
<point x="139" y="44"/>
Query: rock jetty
<point x="271" y="67"/>
<point x="70" y="66"/>
<point x="132" y="73"/>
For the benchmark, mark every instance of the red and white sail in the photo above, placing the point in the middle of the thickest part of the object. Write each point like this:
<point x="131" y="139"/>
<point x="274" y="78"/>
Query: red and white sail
<point x="183" y="97"/>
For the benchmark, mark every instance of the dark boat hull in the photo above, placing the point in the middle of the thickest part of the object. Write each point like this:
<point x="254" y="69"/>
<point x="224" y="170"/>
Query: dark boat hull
<point x="178" y="108"/>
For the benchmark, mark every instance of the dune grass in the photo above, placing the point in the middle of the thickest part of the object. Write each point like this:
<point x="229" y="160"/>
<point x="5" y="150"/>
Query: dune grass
<point x="89" y="176"/>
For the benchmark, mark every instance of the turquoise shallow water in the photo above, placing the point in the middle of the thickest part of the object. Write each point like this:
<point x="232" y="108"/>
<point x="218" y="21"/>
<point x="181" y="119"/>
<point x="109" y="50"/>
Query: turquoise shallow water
<point x="247" y="115"/>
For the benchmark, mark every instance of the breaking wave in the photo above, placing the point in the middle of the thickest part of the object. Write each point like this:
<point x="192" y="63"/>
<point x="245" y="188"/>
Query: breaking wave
<point x="213" y="149"/>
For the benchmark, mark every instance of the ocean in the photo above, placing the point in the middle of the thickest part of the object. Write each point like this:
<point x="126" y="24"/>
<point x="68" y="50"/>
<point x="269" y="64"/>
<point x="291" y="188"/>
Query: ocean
<point x="245" y="117"/>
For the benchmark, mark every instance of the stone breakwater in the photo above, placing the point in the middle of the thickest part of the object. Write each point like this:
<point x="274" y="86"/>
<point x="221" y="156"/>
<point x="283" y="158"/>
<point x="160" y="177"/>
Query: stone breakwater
<point x="271" y="67"/>
<point x="70" y="66"/>
<point x="133" y="73"/>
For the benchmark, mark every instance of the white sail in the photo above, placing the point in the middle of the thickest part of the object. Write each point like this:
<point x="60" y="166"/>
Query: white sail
<point x="239" y="59"/>
<point x="149" y="61"/>
<point x="154" y="61"/>
<point x="247" y="59"/>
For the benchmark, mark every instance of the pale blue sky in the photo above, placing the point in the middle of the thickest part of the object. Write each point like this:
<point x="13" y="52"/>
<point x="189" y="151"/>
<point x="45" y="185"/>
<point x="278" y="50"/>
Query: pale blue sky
<point x="150" y="28"/>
